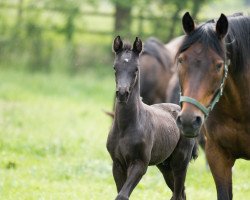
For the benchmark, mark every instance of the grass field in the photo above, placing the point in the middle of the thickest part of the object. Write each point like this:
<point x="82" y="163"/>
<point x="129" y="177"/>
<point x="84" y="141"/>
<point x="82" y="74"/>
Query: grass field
<point x="52" y="143"/>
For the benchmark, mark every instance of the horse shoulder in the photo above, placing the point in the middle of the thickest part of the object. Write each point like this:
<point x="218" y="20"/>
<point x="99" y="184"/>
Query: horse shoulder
<point x="232" y="137"/>
<point x="113" y="138"/>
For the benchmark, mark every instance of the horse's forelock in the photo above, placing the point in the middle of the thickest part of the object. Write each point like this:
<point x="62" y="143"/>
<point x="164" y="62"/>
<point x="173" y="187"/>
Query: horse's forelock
<point x="206" y="35"/>
<point x="127" y="46"/>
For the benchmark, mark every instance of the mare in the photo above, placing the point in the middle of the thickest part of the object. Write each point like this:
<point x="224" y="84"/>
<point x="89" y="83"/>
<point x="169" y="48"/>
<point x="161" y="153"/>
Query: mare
<point x="214" y="74"/>
<point x="173" y="87"/>
<point x="173" y="96"/>
<point x="143" y="135"/>
<point x="156" y="65"/>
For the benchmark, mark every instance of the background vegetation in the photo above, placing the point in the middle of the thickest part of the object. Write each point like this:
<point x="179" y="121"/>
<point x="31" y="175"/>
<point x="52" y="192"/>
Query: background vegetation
<point x="71" y="35"/>
<point x="55" y="80"/>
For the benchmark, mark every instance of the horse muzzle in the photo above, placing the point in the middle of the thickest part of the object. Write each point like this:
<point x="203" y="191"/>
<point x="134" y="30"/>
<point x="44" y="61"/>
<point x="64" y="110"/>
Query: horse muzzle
<point x="122" y="95"/>
<point x="189" y="124"/>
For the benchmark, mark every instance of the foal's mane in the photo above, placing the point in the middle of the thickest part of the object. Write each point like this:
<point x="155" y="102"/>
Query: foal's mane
<point x="236" y="45"/>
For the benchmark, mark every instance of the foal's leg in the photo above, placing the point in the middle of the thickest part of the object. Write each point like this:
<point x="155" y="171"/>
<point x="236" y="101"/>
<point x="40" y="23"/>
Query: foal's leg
<point x="134" y="174"/>
<point x="221" y="164"/>
<point x="119" y="174"/>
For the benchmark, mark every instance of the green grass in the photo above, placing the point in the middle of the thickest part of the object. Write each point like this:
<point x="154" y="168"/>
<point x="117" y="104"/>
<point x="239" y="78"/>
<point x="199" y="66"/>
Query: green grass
<point x="52" y="142"/>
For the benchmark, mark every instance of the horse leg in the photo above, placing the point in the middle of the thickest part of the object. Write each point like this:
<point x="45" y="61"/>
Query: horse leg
<point x="221" y="164"/>
<point x="134" y="174"/>
<point x="179" y="165"/>
<point x="119" y="174"/>
<point x="167" y="174"/>
<point x="179" y="180"/>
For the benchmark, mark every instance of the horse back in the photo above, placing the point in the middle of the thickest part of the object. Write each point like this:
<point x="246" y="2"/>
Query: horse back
<point x="170" y="108"/>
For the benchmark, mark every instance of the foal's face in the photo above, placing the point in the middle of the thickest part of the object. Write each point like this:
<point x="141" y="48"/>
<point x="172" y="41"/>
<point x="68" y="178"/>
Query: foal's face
<point x="126" y="66"/>
<point x="126" y="73"/>
<point x="201" y="71"/>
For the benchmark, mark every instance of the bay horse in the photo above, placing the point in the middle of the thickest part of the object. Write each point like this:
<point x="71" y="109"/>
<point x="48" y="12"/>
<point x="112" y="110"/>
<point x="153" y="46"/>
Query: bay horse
<point x="214" y="74"/>
<point x="156" y="65"/>
<point x="173" y="96"/>
<point x="143" y="135"/>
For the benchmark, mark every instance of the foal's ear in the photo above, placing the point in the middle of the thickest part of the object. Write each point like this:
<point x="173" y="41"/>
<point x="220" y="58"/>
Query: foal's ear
<point x="117" y="44"/>
<point x="222" y="26"/>
<point x="188" y="23"/>
<point x="137" y="46"/>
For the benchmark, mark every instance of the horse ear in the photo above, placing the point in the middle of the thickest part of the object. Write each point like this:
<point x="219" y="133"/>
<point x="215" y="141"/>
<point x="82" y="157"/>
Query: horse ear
<point x="222" y="26"/>
<point x="188" y="23"/>
<point x="137" y="46"/>
<point x="117" y="44"/>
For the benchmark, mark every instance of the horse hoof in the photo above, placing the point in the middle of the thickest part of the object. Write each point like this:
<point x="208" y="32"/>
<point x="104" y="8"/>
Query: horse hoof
<point x="121" y="197"/>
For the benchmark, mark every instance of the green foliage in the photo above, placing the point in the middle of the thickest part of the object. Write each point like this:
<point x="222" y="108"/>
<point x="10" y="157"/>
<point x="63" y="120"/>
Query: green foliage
<point x="38" y="35"/>
<point x="39" y="30"/>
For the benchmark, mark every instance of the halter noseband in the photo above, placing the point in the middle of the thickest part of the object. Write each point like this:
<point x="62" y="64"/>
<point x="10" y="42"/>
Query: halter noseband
<point x="216" y="98"/>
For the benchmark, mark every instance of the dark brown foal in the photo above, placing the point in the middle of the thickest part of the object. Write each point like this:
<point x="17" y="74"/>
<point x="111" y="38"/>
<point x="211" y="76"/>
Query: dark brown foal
<point x="143" y="135"/>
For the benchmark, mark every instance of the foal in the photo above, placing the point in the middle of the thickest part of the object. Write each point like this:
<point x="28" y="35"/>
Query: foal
<point x="143" y="135"/>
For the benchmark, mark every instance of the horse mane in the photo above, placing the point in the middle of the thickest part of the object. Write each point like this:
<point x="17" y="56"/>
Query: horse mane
<point x="156" y="48"/>
<point x="237" y="41"/>
<point x="127" y="46"/>
<point x="205" y="35"/>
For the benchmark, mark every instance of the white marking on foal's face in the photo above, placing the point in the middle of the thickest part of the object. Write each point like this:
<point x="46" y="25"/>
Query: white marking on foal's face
<point x="126" y="57"/>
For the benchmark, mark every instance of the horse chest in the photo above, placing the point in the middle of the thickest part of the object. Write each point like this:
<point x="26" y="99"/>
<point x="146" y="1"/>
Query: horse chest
<point x="233" y="137"/>
<point x="129" y="145"/>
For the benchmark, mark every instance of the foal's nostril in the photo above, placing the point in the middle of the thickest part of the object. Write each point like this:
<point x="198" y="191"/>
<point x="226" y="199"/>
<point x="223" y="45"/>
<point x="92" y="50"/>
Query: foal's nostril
<point x="122" y="94"/>
<point x="117" y="93"/>
<point x="126" y="93"/>
<point x="197" y="121"/>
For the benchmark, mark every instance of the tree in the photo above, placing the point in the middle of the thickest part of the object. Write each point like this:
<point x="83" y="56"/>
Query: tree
<point x="122" y="16"/>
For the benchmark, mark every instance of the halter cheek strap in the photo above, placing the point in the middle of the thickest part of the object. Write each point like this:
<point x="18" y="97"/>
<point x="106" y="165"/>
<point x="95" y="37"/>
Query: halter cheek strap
<point x="218" y="94"/>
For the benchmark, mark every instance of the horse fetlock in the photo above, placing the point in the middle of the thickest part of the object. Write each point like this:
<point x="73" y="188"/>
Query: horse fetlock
<point x="121" y="197"/>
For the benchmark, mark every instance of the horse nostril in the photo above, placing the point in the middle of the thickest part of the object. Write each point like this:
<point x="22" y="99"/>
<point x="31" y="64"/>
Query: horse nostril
<point x="178" y="121"/>
<point x="117" y="93"/>
<point x="126" y="93"/>
<point x="197" y="121"/>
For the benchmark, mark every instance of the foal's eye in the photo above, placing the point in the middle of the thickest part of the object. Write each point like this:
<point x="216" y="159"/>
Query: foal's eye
<point x="219" y="66"/>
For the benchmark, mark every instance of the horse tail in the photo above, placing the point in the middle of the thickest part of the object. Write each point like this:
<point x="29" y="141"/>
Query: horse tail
<point x="111" y="114"/>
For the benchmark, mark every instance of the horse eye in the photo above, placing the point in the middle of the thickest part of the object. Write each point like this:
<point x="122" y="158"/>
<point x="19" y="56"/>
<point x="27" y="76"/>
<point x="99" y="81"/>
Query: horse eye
<point x="136" y="70"/>
<point x="180" y="60"/>
<point x="218" y="66"/>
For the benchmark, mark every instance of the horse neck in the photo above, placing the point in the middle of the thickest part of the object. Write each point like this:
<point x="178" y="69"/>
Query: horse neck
<point x="234" y="94"/>
<point x="128" y="113"/>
